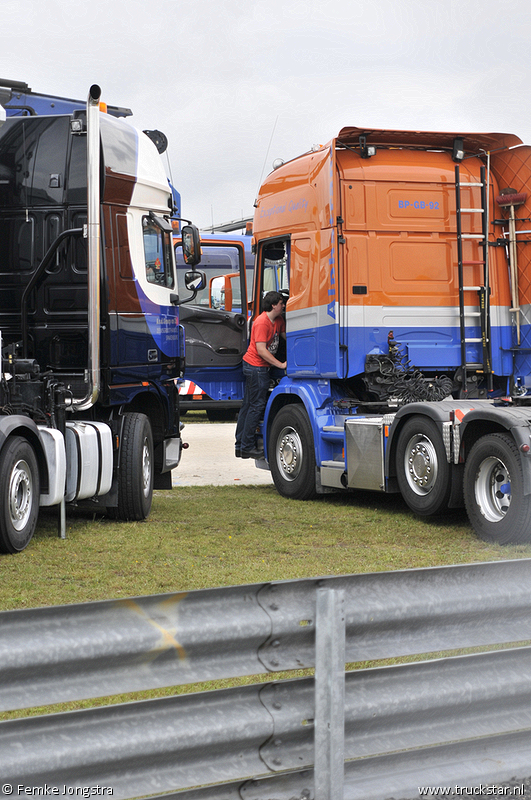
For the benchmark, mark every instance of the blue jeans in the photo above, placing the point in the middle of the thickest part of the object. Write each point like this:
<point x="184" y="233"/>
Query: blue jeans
<point x="254" y="403"/>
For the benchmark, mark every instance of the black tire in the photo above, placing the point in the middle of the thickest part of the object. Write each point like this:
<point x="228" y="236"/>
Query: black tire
<point x="291" y="454"/>
<point x="135" y="478"/>
<point x="19" y="494"/>
<point x="493" y="486"/>
<point x="422" y="469"/>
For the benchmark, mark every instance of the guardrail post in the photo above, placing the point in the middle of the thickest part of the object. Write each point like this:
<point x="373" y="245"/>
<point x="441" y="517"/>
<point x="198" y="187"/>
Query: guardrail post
<point x="329" y="731"/>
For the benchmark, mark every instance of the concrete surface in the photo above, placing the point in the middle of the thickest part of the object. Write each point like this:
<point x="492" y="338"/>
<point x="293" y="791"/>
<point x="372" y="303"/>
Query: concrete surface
<point x="210" y="458"/>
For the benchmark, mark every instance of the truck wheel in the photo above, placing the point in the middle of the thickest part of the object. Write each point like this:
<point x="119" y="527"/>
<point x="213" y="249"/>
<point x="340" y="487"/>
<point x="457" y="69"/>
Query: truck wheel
<point x="493" y="486"/>
<point x="423" y="472"/>
<point x="19" y="494"/>
<point x="135" y="479"/>
<point x="291" y="454"/>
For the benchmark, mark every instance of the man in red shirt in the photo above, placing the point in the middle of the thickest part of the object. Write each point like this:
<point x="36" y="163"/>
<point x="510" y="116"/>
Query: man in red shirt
<point x="260" y="356"/>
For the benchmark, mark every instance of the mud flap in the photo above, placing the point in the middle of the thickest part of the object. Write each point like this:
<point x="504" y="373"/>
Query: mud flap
<point x="522" y="438"/>
<point x="456" y="499"/>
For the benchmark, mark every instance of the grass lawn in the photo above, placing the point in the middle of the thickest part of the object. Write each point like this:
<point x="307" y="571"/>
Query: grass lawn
<point x="206" y="536"/>
<point x="202" y="537"/>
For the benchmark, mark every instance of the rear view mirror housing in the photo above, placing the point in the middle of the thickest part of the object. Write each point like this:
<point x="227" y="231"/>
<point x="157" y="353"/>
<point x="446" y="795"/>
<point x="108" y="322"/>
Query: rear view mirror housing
<point x="191" y="243"/>
<point x="194" y="281"/>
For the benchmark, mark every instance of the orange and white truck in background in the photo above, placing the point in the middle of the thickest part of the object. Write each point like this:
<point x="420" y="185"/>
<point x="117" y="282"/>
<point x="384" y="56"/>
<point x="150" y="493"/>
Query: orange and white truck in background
<point x="406" y="256"/>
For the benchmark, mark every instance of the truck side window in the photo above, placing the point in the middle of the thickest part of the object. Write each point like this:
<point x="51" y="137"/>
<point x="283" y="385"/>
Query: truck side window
<point x="275" y="269"/>
<point x="157" y="253"/>
<point x="216" y="261"/>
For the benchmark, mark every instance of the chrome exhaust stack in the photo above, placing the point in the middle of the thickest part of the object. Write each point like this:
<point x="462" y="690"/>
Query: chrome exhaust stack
<point x="94" y="244"/>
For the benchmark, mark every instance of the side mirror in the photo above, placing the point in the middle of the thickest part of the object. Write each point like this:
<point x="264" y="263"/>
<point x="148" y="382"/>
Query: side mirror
<point x="194" y="281"/>
<point x="191" y="246"/>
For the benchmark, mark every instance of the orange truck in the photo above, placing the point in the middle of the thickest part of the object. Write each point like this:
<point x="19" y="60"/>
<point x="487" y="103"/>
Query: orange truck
<point x="405" y="258"/>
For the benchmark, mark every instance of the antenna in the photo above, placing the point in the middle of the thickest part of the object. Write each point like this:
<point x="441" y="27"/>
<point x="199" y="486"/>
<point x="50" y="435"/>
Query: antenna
<point x="266" y="157"/>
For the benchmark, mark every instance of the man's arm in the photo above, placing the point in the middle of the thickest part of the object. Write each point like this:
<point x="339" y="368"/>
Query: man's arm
<point x="263" y="352"/>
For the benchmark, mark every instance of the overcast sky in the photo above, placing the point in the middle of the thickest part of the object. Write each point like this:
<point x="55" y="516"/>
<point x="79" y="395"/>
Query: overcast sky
<point x="235" y="84"/>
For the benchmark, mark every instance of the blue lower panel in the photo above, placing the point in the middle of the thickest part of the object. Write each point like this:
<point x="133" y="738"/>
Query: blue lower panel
<point x="218" y="384"/>
<point x="430" y="350"/>
<point x="314" y="352"/>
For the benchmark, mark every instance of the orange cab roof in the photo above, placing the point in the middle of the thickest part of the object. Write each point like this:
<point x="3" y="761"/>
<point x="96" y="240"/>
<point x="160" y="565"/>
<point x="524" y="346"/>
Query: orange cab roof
<point x="433" y="140"/>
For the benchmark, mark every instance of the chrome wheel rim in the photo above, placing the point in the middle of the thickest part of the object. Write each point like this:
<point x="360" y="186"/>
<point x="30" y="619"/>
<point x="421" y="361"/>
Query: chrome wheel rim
<point x="493" y="489"/>
<point x="20" y="495"/>
<point x="421" y="466"/>
<point x="289" y="453"/>
<point x="146" y="468"/>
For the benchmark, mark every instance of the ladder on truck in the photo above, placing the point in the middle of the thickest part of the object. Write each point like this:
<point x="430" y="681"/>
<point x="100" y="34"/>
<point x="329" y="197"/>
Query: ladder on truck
<point x="469" y="370"/>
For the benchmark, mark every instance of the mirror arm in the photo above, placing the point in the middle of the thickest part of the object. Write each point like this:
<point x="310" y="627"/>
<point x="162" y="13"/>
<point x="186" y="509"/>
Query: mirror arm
<point x="187" y="299"/>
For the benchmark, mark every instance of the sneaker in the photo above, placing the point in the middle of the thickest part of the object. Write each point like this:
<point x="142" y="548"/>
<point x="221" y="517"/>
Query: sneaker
<point x="252" y="453"/>
<point x="237" y="452"/>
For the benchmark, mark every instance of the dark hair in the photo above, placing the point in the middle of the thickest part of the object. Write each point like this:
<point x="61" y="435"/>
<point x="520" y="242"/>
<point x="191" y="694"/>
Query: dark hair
<point x="271" y="299"/>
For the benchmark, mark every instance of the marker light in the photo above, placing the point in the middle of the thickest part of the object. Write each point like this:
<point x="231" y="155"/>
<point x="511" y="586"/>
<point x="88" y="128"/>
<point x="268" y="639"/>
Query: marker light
<point x="458" y="152"/>
<point x="366" y="150"/>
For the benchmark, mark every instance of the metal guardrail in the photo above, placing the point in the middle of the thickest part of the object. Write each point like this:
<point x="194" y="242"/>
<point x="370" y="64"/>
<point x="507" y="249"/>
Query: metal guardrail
<point x="371" y="733"/>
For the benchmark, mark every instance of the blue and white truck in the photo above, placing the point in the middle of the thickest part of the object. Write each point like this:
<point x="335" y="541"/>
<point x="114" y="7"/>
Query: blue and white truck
<point x="91" y="345"/>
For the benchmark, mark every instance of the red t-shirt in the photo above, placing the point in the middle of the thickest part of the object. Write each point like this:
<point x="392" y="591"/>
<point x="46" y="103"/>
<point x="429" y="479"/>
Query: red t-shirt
<point x="264" y="330"/>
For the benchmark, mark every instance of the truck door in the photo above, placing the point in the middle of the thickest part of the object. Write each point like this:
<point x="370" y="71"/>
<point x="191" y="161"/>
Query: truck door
<point x="146" y="341"/>
<point x="305" y="268"/>
<point x="215" y="323"/>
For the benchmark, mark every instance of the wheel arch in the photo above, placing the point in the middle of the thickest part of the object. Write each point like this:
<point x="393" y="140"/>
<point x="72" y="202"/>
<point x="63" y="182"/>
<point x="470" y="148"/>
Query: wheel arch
<point x="150" y="404"/>
<point x="439" y="413"/>
<point x="291" y="393"/>
<point x="17" y="425"/>
<point x="477" y="426"/>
